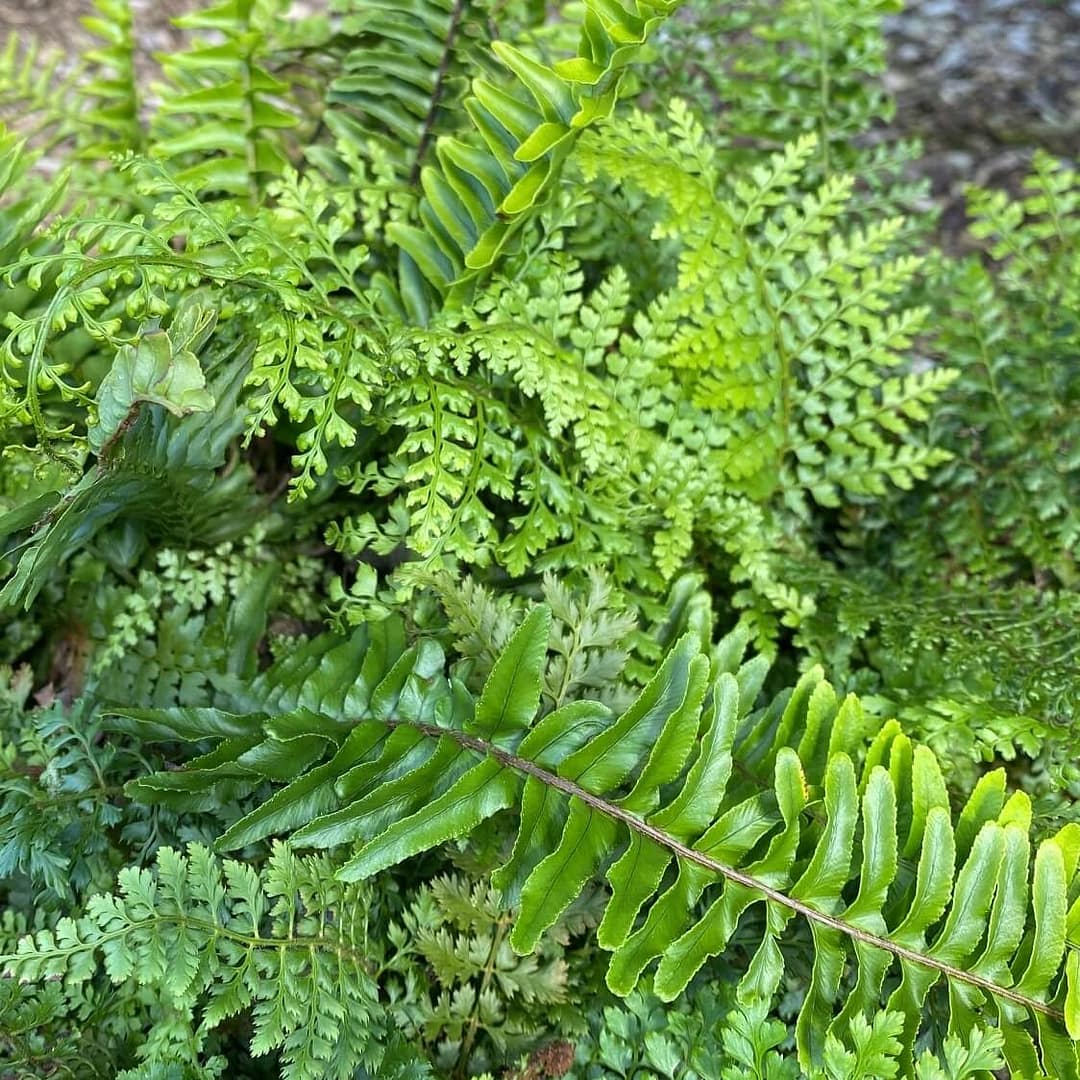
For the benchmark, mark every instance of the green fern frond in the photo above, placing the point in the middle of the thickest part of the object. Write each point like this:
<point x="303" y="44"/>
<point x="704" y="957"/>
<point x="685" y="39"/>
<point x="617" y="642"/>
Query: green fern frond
<point x="157" y="455"/>
<point x="36" y="89"/>
<point x="222" y="125"/>
<point x="1008" y="503"/>
<point x="485" y="1003"/>
<point x="781" y="329"/>
<point x="112" y="95"/>
<point x="797" y="812"/>
<point x="483" y="191"/>
<point x="288" y="945"/>
<point x="404" y="75"/>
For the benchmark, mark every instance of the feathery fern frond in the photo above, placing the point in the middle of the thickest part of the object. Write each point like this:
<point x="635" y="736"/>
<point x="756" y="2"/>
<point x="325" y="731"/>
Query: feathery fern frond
<point x="485" y="1004"/>
<point x="801" y="66"/>
<point x="781" y="329"/>
<point x="707" y="1036"/>
<point x="288" y="945"/>
<point x="703" y="814"/>
<point x="979" y="672"/>
<point x="1008" y="503"/>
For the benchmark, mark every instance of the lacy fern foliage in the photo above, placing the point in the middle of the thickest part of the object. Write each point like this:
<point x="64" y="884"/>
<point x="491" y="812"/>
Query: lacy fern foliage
<point x="286" y="945"/>
<point x="411" y="412"/>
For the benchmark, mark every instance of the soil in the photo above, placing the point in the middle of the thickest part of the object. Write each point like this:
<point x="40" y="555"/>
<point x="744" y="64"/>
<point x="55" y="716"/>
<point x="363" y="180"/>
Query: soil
<point x="984" y="83"/>
<point x="58" y="21"/>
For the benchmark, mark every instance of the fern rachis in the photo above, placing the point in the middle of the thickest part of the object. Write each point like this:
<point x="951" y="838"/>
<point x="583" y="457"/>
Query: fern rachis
<point x="654" y="788"/>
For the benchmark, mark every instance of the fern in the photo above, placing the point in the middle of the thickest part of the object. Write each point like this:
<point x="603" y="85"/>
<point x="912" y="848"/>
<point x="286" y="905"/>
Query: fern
<point x="1008" y="503"/>
<point x="405" y="414"/>
<point x="976" y="645"/>
<point x="804" y="66"/>
<point x="401" y="316"/>
<point x="795" y="360"/>
<point x="483" y="192"/>
<point x="229" y="113"/>
<point x="218" y="936"/>
<point x="711" y="1039"/>
<point x="979" y="672"/>
<point x="152" y="468"/>
<point x="967" y="904"/>
<point x="31" y="81"/>
<point x="485" y="1003"/>
<point x="403" y="76"/>
<point x="777" y="72"/>
<point x="587" y="639"/>
<point x="113" y="92"/>
<point x="93" y="103"/>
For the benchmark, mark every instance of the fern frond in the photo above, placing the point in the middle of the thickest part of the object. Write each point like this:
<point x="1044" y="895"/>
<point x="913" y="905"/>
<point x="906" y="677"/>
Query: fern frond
<point x="92" y="102"/>
<point x="157" y="456"/>
<point x="1008" y="504"/>
<point x="36" y="89"/>
<point x="222" y="126"/>
<point x="287" y="944"/>
<point x="404" y="75"/>
<point x="483" y="191"/>
<point x="779" y="328"/>
<point x="112" y="96"/>
<point x="703" y="814"/>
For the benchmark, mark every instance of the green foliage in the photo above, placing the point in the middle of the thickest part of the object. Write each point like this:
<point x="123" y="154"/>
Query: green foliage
<point x="485" y="189"/>
<point x="982" y="673"/>
<point x="224" y="122"/>
<point x="90" y="104"/>
<point x="976" y="648"/>
<point x="156" y="466"/>
<point x="403" y="76"/>
<point x="802" y="66"/>
<point x="534" y="419"/>
<point x="411" y="413"/>
<point x="764" y="811"/>
<point x="776" y="323"/>
<point x="484" y="1004"/>
<point x="1008" y="503"/>
<point x="217" y="936"/>
<point x="641" y="1038"/>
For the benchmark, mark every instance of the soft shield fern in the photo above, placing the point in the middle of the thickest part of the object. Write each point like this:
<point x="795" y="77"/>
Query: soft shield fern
<point x="712" y="821"/>
<point x="287" y="945"/>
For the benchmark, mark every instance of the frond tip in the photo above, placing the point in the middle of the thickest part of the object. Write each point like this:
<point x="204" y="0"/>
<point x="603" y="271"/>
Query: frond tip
<point x="706" y="816"/>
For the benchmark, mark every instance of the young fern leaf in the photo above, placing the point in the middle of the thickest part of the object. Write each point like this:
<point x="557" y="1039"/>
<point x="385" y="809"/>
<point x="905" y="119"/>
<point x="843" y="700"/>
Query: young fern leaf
<point x="157" y="451"/>
<point x="705" y="817"/>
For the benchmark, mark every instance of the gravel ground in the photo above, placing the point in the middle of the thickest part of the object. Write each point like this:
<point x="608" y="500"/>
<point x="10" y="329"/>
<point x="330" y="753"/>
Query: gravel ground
<point x="984" y="83"/>
<point x="57" y="21"/>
